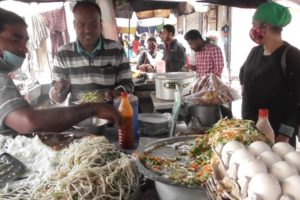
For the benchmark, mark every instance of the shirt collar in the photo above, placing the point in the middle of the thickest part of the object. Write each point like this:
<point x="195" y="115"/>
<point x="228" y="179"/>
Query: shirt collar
<point x="90" y="54"/>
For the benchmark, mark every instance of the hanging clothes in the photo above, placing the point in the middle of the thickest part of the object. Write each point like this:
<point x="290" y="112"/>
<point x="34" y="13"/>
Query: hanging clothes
<point x="37" y="49"/>
<point x="57" y="23"/>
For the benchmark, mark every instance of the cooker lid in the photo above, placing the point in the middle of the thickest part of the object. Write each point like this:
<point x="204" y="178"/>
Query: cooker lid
<point x="176" y="75"/>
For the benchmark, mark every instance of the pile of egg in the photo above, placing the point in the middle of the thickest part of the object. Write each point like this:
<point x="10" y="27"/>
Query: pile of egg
<point x="263" y="172"/>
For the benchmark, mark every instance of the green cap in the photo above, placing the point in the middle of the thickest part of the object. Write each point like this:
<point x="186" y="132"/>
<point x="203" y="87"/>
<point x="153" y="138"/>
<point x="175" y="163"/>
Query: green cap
<point x="273" y="14"/>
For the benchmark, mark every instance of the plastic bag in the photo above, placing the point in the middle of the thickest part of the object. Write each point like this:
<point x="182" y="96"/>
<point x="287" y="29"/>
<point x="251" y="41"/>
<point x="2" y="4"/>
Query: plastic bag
<point x="175" y="112"/>
<point x="210" y="90"/>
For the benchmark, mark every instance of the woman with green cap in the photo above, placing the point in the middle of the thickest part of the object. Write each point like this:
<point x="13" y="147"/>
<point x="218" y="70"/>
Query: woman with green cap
<point x="270" y="77"/>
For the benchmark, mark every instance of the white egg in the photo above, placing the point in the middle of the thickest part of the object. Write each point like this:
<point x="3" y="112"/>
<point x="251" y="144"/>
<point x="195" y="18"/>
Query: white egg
<point x="290" y="186"/>
<point x="283" y="170"/>
<point x="269" y="158"/>
<point x="282" y="148"/>
<point x="239" y="155"/>
<point x="264" y="185"/>
<point x="250" y="167"/>
<point x="258" y="147"/>
<point x="228" y="150"/>
<point x="293" y="158"/>
<point x="286" y="197"/>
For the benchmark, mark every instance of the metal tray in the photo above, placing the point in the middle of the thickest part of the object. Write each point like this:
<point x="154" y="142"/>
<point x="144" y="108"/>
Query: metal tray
<point x="159" y="148"/>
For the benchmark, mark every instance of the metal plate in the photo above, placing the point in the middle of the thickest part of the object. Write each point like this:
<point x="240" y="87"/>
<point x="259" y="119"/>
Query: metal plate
<point x="163" y="148"/>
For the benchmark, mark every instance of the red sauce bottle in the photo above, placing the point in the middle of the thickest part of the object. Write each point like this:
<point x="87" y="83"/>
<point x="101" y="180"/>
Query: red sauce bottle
<point x="126" y="136"/>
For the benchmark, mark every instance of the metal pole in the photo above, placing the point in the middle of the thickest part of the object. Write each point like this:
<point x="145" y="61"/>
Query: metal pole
<point x="128" y="50"/>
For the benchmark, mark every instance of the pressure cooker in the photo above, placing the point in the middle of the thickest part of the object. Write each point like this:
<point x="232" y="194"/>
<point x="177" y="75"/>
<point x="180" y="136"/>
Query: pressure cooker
<point x="165" y="83"/>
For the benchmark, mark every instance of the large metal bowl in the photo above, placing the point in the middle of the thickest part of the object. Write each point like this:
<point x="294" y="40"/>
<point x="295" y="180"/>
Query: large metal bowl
<point x="208" y="115"/>
<point x="166" y="189"/>
<point x="93" y="125"/>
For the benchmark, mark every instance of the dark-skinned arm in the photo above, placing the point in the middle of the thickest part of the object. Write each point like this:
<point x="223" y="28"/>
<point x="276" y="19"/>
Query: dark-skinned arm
<point x="27" y="120"/>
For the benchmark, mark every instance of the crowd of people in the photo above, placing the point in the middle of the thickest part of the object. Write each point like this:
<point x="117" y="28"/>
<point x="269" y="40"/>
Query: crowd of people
<point x="93" y="62"/>
<point x="167" y="46"/>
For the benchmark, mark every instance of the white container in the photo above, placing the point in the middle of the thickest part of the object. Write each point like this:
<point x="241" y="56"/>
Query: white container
<point x="165" y="84"/>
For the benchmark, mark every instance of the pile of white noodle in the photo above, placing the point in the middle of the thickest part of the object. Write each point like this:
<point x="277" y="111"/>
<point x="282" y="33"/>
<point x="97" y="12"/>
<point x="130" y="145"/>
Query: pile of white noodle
<point x="90" y="168"/>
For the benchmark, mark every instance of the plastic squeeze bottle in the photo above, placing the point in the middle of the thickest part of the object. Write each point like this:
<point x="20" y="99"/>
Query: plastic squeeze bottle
<point x="126" y="137"/>
<point x="263" y="124"/>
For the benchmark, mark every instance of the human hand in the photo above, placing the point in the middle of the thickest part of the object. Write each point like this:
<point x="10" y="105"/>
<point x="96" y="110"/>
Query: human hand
<point x="109" y="95"/>
<point x="143" y="68"/>
<point x="149" y="68"/>
<point x="282" y="138"/>
<point x="109" y="112"/>
<point x="187" y="68"/>
<point x="62" y="87"/>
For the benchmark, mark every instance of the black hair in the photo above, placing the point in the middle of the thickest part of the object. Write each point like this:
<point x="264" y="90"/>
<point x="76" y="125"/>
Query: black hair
<point x="170" y="28"/>
<point x="86" y="3"/>
<point x="9" y="18"/>
<point x="193" y="35"/>
<point x="152" y="39"/>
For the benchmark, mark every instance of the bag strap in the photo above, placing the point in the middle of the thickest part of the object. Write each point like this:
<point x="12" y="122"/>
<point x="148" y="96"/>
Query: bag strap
<point x="283" y="60"/>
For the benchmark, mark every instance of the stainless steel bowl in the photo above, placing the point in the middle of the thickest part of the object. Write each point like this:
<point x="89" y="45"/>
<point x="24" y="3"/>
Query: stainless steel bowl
<point x="207" y="115"/>
<point x="93" y="125"/>
<point x="153" y="123"/>
<point x="170" y="192"/>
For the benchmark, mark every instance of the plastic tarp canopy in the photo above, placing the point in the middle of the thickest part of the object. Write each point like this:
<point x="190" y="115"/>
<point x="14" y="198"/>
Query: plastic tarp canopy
<point x="141" y="5"/>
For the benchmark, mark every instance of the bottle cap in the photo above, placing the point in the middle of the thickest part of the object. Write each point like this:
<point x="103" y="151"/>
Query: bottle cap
<point x="123" y="94"/>
<point x="263" y="112"/>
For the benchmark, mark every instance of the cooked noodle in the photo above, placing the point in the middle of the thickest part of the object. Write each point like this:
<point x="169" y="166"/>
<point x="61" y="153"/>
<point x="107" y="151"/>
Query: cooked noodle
<point x="90" y="169"/>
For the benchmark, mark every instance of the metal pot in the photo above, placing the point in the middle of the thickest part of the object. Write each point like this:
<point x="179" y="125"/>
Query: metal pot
<point x="207" y="115"/>
<point x="170" y="192"/>
<point x="165" y="84"/>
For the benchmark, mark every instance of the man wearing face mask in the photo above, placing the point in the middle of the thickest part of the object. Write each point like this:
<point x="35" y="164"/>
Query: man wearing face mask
<point x="92" y="62"/>
<point x="15" y="112"/>
<point x="148" y="59"/>
<point x="266" y="81"/>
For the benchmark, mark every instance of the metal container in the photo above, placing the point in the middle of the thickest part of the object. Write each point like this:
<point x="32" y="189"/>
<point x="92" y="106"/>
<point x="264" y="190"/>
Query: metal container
<point x="207" y="115"/>
<point x="165" y="84"/>
<point x="170" y="192"/>
<point x="153" y="123"/>
<point x="92" y="125"/>
<point x="166" y="188"/>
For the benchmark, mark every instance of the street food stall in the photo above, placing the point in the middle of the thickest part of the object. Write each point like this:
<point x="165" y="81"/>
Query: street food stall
<point x="86" y="162"/>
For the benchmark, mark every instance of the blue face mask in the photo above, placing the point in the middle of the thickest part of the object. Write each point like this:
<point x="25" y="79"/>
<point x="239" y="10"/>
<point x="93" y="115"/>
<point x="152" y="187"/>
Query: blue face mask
<point x="12" y="59"/>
